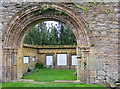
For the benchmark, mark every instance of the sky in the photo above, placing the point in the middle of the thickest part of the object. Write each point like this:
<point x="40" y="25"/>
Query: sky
<point x="50" y="23"/>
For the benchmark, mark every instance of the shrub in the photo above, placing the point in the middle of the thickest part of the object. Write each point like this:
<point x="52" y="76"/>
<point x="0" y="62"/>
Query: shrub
<point x="29" y="70"/>
<point x="39" y="66"/>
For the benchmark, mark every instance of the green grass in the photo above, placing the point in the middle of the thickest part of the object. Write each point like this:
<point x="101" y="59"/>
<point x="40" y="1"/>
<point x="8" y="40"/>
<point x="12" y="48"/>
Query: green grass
<point x="46" y="75"/>
<point x="0" y="85"/>
<point x="22" y="84"/>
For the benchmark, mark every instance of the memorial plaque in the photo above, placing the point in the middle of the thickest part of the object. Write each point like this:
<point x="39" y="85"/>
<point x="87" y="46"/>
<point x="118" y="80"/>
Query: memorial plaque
<point x="61" y="59"/>
<point x="74" y="59"/>
<point x="49" y="60"/>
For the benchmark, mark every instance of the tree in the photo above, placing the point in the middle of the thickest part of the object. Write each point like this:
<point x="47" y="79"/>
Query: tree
<point x="41" y="34"/>
<point x="54" y="36"/>
<point x="66" y="36"/>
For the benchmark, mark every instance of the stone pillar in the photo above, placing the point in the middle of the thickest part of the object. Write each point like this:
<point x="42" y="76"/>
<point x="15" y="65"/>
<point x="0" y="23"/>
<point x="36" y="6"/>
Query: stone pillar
<point x="79" y="65"/>
<point x="54" y="61"/>
<point x="14" y="68"/>
<point x="6" y="69"/>
<point x="79" y="69"/>
<point x="9" y="71"/>
<point x="83" y="73"/>
<point x="68" y="60"/>
<point x="85" y="63"/>
<point x="93" y="67"/>
<point x="19" y="63"/>
<point x="10" y="63"/>
<point x="87" y="66"/>
<point x="4" y="65"/>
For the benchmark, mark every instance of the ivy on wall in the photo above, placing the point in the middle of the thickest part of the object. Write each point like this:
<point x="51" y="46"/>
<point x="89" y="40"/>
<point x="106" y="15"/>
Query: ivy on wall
<point x="96" y="9"/>
<point x="45" y="9"/>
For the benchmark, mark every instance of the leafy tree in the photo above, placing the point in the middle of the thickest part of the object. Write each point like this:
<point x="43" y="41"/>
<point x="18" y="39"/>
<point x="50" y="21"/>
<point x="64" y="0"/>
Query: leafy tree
<point x="54" y="36"/>
<point x="41" y="34"/>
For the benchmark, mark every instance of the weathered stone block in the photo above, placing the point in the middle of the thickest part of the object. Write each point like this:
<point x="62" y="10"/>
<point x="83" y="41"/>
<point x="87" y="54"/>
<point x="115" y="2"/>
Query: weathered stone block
<point x="101" y="77"/>
<point x="104" y="33"/>
<point x="101" y="73"/>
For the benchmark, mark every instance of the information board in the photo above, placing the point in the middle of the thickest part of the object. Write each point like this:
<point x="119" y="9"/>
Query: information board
<point x="49" y="60"/>
<point x="74" y="59"/>
<point x="25" y="59"/>
<point x="61" y="59"/>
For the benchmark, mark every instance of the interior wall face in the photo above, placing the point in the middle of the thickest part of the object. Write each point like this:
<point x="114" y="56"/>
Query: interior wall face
<point x="40" y="57"/>
<point x="101" y="20"/>
<point x="42" y="53"/>
<point x="30" y="53"/>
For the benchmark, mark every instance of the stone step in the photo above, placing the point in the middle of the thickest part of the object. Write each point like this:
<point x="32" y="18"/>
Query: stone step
<point x="112" y="85"/>
<point x="68" y="81"/>
<point x="22" y="80"/>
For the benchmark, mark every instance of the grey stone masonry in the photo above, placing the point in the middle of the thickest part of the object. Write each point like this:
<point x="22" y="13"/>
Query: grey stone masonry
<point x="1" y="42"/>
<point x="102" y="21"/>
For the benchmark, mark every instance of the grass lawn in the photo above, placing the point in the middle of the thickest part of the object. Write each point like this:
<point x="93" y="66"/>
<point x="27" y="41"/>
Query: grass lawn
<point x="0" y="85"/>
<point x="49" y="76"/>
<point x="22" y="84"/>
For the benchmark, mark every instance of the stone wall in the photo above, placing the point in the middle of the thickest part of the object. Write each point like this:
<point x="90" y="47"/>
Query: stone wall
<point x="42" y="51"/>
<point x="0" y="42"/>
<point x="102" y="20"/>
<point x="30" y="52"/>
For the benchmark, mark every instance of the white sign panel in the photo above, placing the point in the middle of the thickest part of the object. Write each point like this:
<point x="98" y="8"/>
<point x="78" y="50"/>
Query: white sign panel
<point x="74" y="59"/>
<point x="33" y="59"/>
<point x="49" y="60"/>
<point x="25" y="59"/>
<point x="61" y="59"/>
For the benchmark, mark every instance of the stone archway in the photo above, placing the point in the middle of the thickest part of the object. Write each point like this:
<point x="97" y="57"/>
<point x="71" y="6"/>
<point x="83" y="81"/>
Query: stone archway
<point x="19" y="24"/>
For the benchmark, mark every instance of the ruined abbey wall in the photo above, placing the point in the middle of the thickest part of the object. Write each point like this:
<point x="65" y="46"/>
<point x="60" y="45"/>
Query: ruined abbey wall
<point x="101" y="19"/>
<point x="40" y="53"/>
<point x="28" y="52"/>
<point x="1" y="41"/>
